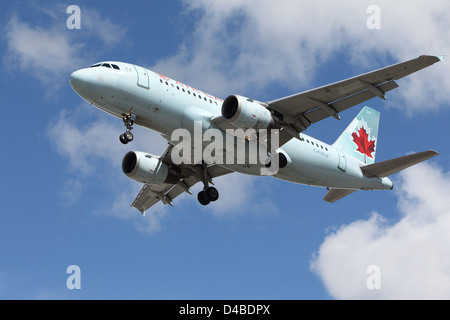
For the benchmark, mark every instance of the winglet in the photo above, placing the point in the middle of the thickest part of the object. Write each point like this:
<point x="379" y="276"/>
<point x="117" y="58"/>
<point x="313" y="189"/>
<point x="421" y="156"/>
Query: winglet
<point x="443" y="58"/>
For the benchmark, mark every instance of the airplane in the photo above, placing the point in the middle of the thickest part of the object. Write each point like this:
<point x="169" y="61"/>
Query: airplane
<point x="154" y="101"/>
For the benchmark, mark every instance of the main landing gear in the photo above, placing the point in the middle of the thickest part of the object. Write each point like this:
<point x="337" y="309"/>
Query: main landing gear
<point x="208" y="194"/>
<point x="128" y="121"/>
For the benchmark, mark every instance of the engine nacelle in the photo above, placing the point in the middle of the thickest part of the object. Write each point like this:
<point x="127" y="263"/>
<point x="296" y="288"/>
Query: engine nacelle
<point x="146" y="168"/>
<point x="245" y="113"/>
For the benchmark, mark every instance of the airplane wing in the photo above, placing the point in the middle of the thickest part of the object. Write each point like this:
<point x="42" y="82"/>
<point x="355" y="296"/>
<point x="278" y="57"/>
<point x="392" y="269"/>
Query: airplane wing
<point x="299" y="111"/>
<point x="166" y="192"/>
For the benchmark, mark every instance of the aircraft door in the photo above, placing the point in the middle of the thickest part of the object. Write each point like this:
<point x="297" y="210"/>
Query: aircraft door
<point x="142" y="77"/>
<point x="342" y="161"/>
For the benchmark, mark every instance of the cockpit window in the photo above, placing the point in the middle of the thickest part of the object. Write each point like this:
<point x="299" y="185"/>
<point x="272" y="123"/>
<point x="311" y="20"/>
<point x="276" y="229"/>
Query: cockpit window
<point x="106" y="65"/>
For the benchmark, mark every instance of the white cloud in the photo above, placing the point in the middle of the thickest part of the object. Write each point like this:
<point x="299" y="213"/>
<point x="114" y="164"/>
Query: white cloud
<point x="241" y="195"/>
<point x="86" y="145"/>
<point x="51" y="53"/>
<point x="95" y="153"/>
<point x="44" y="53"/>
<point x="247" y="46"/>
<point x="89" y="139"/>
<point x="102" y="28"/>
<point x="413" y="254"/>
<point x="120" y="208"/>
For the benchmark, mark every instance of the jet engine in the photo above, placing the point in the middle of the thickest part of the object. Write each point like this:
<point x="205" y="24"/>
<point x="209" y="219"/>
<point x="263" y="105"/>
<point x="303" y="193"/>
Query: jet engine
<point x="146" y="168"/>
<point x="245" y="113"/>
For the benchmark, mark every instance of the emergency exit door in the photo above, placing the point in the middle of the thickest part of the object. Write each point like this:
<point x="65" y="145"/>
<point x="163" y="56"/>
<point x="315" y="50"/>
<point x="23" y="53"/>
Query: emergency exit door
<point x="142" y="77"/>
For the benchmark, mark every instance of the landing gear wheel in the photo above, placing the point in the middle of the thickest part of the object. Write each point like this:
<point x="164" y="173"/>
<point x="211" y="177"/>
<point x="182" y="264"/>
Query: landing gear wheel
<point x="202" y="198"/>
<point x="128" y="136"/>
<point x="123" y="139"/>
<point x="211" y="194"/>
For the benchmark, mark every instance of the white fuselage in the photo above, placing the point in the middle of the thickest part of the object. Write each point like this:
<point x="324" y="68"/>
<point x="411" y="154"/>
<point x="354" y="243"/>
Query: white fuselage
<point x="164" y="105"/>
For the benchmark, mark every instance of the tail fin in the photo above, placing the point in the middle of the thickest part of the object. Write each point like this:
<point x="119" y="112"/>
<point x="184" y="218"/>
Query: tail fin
<point x="359" y="140"/>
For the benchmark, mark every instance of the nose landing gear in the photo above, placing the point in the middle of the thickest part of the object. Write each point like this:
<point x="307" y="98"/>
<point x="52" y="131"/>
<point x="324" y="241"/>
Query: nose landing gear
<point x="128" y="121"/>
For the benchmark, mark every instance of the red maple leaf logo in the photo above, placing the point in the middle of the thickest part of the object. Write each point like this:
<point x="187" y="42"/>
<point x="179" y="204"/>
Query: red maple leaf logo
<point x="365" y="146"/>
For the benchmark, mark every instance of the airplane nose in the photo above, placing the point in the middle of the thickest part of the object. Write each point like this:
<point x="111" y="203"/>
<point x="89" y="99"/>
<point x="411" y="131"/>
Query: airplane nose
<point x="79" y="79"/>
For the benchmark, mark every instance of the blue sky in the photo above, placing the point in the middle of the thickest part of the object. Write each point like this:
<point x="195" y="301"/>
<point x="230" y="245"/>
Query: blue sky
<point x="66" y="202"/>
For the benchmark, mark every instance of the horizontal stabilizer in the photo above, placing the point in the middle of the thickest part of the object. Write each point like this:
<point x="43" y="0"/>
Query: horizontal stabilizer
<point x="336" y="194"/>
<point x="388" y="167"/>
